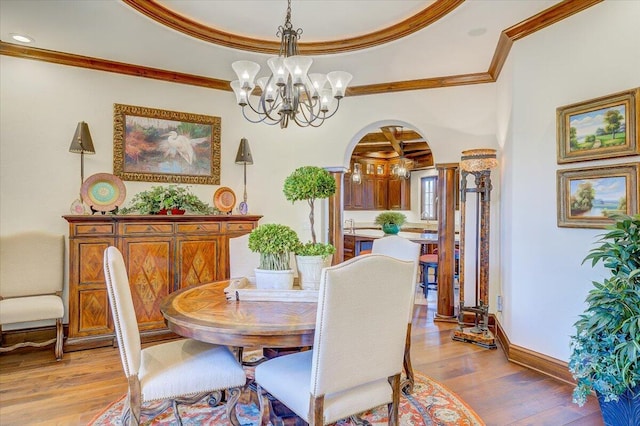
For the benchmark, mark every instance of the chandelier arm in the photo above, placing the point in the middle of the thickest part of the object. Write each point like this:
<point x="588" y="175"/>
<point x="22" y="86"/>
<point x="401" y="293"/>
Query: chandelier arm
<point x="334" y="111"/>
<point x="262" y="120"/>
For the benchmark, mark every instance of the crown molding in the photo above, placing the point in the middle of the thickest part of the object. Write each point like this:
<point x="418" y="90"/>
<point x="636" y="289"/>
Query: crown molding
<point x="527" y="27"/>
<point x="167" y="17"/>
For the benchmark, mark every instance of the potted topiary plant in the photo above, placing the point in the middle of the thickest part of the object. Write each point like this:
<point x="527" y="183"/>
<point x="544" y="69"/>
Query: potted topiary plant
<point x="311" y="183"/>
<point x="606" y="347"/>
<point x="275" y="243"/>
<point x="171" y="199"/>
<point x="390" y="221"/>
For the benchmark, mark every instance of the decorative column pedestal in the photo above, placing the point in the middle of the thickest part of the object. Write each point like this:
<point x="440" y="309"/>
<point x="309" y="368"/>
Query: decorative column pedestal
<point x="479" y="163"/>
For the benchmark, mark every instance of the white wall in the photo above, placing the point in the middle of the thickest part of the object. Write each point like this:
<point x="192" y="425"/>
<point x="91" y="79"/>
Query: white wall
<point x="41" y="104"/>
<point x="592" y="54"/>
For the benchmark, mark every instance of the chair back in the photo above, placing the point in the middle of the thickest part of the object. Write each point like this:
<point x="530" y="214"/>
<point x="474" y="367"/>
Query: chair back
<point x="361" y="322"/>
<point x="31" y="264"/>
<point x="399" y="248"/>
<point x="122" y="310"/>
<point x="242" y="261"/>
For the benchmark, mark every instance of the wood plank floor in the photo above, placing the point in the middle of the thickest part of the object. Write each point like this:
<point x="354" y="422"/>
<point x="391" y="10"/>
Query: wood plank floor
<point x="37" y="390"/>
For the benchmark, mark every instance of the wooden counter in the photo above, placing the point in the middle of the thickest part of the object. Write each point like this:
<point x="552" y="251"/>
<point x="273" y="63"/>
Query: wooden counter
<point x="162" y="254"/>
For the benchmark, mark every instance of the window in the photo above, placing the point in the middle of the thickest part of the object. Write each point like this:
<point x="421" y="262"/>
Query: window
<point x="429" y="198"/>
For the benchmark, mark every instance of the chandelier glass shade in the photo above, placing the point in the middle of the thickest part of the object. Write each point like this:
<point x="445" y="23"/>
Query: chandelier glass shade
<point x="401" y="170"/>
<point x="290" y="93"/>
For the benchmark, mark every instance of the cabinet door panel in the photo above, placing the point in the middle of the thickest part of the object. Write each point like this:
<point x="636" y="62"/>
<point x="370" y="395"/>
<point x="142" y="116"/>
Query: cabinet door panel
<point x="150" y="271"/>
<point x="95" y="317"/>
<point x="199" y="261"/>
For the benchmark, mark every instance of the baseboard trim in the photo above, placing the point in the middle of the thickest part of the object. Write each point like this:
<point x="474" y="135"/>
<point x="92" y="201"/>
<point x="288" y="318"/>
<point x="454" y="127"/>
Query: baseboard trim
<point x="541" y="363"/>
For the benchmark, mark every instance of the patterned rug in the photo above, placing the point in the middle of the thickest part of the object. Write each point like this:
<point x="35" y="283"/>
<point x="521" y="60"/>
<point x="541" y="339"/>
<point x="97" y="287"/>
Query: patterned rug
<point x="430" y="404"/>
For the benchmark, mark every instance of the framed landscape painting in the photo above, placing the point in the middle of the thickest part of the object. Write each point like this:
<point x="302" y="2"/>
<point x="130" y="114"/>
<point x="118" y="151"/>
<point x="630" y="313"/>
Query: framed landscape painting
<point x="587" y="198"/>
<point x="600" y="128"/>
<point x="155" y="145"/>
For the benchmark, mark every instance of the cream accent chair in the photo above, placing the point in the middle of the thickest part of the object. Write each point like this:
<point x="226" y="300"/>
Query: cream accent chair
<point x="182" y="370"/>
<point x="356" y="360"/>
<point x="31" y="280"/>
<point x="403" y="249"/>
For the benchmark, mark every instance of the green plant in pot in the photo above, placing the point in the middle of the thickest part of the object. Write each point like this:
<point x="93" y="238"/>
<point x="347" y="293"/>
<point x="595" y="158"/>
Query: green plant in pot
<point x="606" y="347"/>
<point x="390" y="221"/>
<point x="275" y="243"/>
<point x="311" y="183"/>
<point x="171" y="199"/>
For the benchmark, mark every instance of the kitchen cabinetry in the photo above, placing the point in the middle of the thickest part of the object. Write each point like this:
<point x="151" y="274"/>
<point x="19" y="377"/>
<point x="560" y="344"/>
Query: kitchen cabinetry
<point x="399" y="194"/>
<point x="376" y="191"/>
<point x="162" y="255"/>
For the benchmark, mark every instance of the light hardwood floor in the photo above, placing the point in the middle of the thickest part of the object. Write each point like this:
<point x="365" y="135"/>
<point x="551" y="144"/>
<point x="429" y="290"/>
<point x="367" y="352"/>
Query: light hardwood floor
<point x="37" y="390"/>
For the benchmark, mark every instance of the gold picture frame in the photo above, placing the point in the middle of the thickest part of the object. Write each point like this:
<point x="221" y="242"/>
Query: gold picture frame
<point x="587" y="197"/>
<point x="604" y="127"/>
<point x="155" y="145"/>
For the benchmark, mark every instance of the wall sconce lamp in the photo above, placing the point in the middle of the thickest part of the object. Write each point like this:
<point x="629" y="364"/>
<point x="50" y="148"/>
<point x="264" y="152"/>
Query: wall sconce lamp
<point x="82" y="144"/>
<point x="244" y="157"/>
<point x="477" y="162"/>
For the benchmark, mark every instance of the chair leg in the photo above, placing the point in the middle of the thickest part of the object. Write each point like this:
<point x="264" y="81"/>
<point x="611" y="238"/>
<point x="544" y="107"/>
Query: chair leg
<point x="394" y="381"/>
<point x="232" y="400"/>
<point x="59" y="339"/>
<point x="407" y="384"/>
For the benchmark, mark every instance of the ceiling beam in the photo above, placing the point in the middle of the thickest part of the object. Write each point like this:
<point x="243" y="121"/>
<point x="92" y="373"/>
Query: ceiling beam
<point x="389" y="132"/>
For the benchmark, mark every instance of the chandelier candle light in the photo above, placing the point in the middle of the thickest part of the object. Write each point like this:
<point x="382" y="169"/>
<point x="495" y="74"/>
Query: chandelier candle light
<point x="289" y="93"/>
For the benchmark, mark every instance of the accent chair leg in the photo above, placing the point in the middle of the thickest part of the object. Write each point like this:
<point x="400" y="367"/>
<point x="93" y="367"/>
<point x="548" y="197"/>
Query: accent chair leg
<point x="59" y="339"/>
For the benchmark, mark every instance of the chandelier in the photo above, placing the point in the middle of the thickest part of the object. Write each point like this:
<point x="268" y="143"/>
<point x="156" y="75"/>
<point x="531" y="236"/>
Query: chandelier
<point x="401" y="170"/>
<point x="289" y="93"/>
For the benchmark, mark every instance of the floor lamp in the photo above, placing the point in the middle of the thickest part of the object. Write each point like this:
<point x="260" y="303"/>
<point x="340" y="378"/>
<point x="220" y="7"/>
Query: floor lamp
<point x="244" y="157"/>
<point x="477" y="162"/>
<point x="81" y="144"/>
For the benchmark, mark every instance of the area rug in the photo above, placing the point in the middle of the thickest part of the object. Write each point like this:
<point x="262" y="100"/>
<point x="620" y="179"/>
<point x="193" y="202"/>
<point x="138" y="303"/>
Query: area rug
<point x="431" y="403"/>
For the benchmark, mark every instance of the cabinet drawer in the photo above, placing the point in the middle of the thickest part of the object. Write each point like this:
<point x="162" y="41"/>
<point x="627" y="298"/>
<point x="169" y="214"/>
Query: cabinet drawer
<point x="144" y="228"/>
<point x="349" y="243"/>
<point x="88" y="229"/>
<point x="199" y="227"/>
<point x="239" y="226"/>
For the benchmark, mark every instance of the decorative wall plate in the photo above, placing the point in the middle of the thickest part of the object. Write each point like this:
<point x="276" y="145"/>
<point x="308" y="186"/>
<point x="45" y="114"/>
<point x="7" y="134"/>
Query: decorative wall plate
<point x="224" y="199"/>
<point x="103" y="192"/>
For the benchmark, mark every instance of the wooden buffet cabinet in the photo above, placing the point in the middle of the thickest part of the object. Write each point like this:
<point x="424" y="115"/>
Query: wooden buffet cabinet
<point x="162" y="254"/>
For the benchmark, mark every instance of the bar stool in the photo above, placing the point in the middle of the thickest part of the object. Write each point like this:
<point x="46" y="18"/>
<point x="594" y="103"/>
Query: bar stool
<point x="427" y="262"/>
<point x="430" y="261"/>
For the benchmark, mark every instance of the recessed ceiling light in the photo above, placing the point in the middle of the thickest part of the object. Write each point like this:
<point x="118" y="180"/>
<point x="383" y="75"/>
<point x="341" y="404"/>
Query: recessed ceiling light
<point x="477" y="32"/>
<point x="22" y="38"/>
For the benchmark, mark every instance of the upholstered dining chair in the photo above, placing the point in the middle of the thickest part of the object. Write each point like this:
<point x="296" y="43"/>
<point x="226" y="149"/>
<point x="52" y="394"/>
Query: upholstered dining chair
<point x="403" y="249"/>
<point x="31" y="280"/>
<point x="184" y="370"/>
<point x="356" y="360"/>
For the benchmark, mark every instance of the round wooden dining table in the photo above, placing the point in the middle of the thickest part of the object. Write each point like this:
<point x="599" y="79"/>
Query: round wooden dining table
<point x="204" y="313"/>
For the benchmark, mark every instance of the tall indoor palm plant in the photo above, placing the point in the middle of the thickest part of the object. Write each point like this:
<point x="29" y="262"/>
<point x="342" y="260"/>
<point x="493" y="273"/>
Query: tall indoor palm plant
<point x="606" y="347"/>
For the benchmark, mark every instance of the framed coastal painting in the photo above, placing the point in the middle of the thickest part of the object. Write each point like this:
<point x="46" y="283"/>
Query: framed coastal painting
<point x="588" y="197"/>
<point x="155" y="145"/>
<point x="600" y="128"/>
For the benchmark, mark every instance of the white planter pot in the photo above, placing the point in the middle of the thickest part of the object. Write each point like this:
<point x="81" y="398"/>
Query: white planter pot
<point x="309" y="270"/>
<point x="279" y="280"/>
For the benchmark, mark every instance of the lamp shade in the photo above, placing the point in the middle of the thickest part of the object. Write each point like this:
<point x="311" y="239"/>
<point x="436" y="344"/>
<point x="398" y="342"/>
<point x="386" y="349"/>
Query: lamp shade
<point x="244" y="153"/>
<point x="478" y="160"/>
<point x="82" y="142"/>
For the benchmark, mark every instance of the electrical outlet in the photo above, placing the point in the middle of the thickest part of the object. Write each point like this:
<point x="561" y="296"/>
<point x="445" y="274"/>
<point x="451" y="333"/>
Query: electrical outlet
<point x="499" y="303"/>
